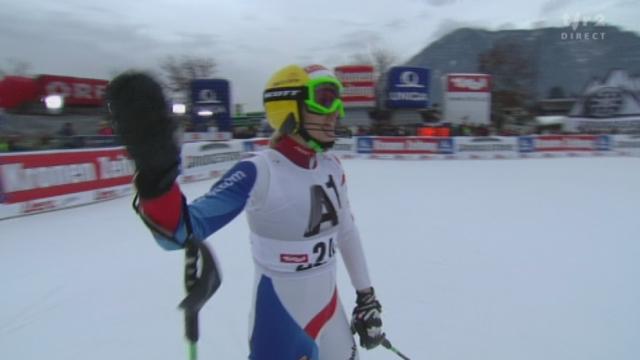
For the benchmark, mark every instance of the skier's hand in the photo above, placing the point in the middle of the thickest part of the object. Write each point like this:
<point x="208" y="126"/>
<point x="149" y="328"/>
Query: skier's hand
<point x="141" y="119"/>
<point x="366" y="319"/>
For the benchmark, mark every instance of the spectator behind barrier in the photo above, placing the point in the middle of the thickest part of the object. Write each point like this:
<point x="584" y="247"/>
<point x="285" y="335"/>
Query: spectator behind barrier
<point x="105" y="129"/>
<point x="4" y="144"/>
<point x="68" y="137"/>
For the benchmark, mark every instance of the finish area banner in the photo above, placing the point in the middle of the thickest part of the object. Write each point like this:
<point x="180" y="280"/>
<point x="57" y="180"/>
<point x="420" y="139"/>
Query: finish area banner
<point x="33" y="176"/>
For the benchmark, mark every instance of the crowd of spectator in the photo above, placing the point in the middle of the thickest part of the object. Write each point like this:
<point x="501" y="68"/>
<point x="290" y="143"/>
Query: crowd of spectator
<point x="67" y="137"/>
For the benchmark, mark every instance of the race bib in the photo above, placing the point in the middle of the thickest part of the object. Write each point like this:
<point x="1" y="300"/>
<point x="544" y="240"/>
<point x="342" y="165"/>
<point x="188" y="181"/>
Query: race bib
<point x="294" y="256"/>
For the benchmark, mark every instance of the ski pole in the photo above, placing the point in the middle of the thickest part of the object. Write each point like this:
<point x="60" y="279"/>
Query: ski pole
<point x="387" y="344"/>
<point x="200" y="287"/>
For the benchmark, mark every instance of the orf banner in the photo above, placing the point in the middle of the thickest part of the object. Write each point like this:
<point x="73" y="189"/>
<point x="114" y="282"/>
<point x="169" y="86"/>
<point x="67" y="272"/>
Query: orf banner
<point x="76" y="91"/>
<point x="359" y="85"/>
<point x="408" y="87"/>
<point x="211" y="99"/>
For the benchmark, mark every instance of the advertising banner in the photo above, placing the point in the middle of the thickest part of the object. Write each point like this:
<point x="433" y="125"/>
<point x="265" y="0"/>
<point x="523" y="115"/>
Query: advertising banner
<point x="611" y="105"/>
<point x="344" y="148"/>
<point x="255" y="144"/>
<point x="467" y="99"/>
<point x="626" y="144"/>
<point x="383" y="145"/>
<point x="359" y="85"/>
<point x="34" y="182"/>
<point x="408" y="87"/>
<point x="16" y="90"/>
<point x="547" y="145"/>
<point x="31" y="176"/>
<point x="48" y="180"/>
<point x="205" y="160"/>
<point x="211" y="99"/>
<point x="206" y="136"/>
<point x="76" y="91"/>
<point x="486" y="147"/>
<point x="9" y="210"/>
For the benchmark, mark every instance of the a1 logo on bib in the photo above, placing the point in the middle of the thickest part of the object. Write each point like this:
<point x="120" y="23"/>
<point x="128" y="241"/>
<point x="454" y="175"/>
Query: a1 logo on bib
<point x="322" y="208"/>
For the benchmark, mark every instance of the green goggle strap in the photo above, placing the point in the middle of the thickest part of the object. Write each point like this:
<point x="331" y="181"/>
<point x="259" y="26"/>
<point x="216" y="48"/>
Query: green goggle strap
<point x="313" y="144"/>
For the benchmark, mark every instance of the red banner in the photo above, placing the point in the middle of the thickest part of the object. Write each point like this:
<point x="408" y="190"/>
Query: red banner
<point x="405" y="145"/>
<point x="359" y="84"/>
<point x="468" y="83"/>
<point x="562" y="143"/>
<point x="25" y="177"/>
<point x="16" y="90"/>
<point x="76" y="91"/>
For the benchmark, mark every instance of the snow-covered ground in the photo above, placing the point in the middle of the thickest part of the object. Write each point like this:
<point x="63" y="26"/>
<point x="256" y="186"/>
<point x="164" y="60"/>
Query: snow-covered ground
<point x="496" y="260"/>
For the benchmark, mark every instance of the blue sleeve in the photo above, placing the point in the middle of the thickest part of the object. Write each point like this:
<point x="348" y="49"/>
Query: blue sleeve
<point x="226" y="200"/>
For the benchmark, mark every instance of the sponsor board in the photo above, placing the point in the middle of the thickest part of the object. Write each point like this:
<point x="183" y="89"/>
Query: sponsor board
<point x="603" y="143"/>
<point x="359" y="85"/>
<point x="206" y="136"/>
<point x="201" y="160"/>
<point x="36" y="182"/>
<point x="563" y="143"/>
<point x="626" y="144"/>
<point x="526" y="144"/>
<point x="404" y="145"/>
<point x="408" y="87"/>
<point x="467" y="98"/>
<point x="255" y="145"/>
<point x="211" y="99"/>
<point x="76" y="91"/>
<point x="486" y="147"/>
<point x="468" y="83"/>
<point x="445" y="145"/>
<point x="343" y="147"/>
<point x="37" y="206"/>
<point x="623" y="124"/>
<point x="32" y="176"/>
<point x="364" y="145"/>
<point x="608" y="105"/>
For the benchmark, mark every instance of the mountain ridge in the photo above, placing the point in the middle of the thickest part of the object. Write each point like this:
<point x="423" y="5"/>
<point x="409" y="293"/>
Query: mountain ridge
<point x="558" y="57"/>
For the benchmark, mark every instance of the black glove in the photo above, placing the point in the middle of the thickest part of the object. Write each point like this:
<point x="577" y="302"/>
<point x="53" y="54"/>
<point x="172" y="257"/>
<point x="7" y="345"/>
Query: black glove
<point x="141" y="119"/>
<point x="366" y="319"/>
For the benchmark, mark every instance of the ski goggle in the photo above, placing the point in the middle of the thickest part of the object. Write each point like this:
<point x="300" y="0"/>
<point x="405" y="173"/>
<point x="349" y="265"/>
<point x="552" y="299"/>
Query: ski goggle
<point x="323" y="96"/>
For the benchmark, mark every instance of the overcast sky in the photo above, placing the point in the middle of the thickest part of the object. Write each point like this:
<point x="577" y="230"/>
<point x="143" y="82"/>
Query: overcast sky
<point x="249" y="39"/>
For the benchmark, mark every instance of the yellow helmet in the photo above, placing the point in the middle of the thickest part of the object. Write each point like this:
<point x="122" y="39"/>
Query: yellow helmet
<point x="293" y="87"/>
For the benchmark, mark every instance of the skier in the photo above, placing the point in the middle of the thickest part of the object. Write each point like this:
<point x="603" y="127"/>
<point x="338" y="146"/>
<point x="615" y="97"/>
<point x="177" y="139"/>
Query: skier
<point x="295" y="198"/>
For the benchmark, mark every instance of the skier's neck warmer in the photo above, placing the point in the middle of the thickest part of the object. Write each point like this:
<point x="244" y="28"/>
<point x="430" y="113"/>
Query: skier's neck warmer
<point x="298" y="154"/>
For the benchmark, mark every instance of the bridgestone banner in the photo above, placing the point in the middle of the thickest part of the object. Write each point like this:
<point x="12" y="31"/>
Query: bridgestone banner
<point x="486" y="147"/>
